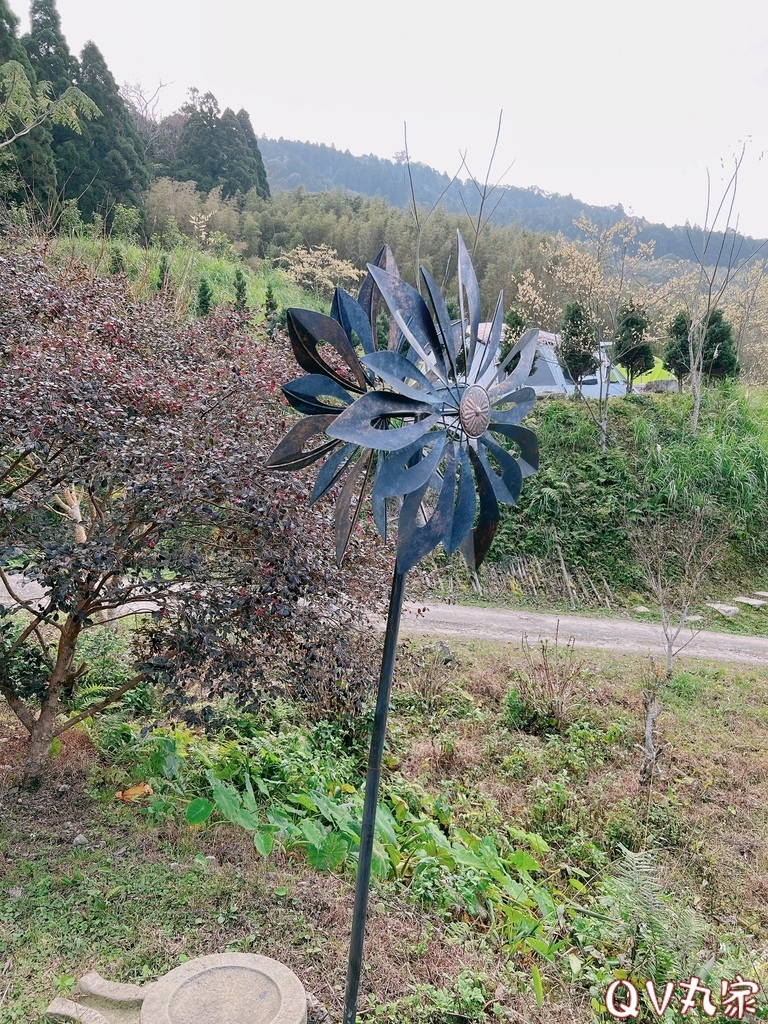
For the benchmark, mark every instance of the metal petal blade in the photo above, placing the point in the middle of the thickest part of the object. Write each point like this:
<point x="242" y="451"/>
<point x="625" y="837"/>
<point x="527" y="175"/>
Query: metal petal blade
<point x="290" y="454"/>
<point x="478" y="543"/>
<point x="304" y="394"/>
<point x="331" y="471"/>
<point x="484" y="364"/>
<point x="365" y="421"/>
<point x="370" y="295"/>
<point x="412" y="317"/>
<point x="468" y="284"/>
<point x="351" y="315"/>
<point x="396" y="476"/>
<point x="506" y="486"/>
<point x="527" y="442"/>
<point x="526" y="349"/>
<point x="414" y="541"/>
<point x="379" y="504"/>
<point x="307" y="329"/>
<point x="522" y="401"/>
<point x="344" y="523"/>
<point x="395" y="370"/>
<point x="443" y="318"/>
<point x="465" y="508"/>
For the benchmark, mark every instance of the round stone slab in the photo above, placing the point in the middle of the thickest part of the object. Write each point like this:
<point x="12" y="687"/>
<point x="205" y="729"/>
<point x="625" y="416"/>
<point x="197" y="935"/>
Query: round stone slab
<point x="227" y="988"/>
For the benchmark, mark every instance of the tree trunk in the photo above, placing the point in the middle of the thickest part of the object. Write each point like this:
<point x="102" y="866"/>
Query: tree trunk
<point x="60" y="679"/>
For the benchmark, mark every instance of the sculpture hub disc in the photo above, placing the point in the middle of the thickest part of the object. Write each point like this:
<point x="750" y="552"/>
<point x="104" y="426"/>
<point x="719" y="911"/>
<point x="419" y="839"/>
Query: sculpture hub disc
<point x="475" y="410"/>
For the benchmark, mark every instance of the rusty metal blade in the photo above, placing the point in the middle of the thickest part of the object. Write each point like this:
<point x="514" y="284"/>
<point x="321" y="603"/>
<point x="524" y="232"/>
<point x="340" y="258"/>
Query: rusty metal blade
<point x="331" y="471"/>
<point x="365" y="422"/>
<point x="477" y="544"/>
<point x="412" y="317"/>
<point x="397" y="476"/>
<point x="305" y="393"/>
<point x="307" y="329"/>
<point x="290" y="454"/>
<point x="468" y="285"/>
<point x="526" y="441"/>
<point x="344" y="523"/>
<point x="395" y="370"/>
<point x="506" y="484"/>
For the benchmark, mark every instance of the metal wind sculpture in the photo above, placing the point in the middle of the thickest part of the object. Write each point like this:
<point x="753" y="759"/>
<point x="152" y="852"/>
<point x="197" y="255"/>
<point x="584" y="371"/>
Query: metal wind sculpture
<point x="417" y="419"/>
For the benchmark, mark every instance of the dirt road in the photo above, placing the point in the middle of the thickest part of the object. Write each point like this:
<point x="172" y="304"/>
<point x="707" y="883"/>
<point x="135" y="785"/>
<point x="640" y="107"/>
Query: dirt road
<point x="620" y="635"/>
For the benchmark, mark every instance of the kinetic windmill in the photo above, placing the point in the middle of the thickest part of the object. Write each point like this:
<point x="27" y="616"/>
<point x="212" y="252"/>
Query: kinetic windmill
<point x="421" y="423"/>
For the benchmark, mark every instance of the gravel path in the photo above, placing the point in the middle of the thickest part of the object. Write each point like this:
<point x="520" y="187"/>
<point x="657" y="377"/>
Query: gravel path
<point x="620" y="635"/>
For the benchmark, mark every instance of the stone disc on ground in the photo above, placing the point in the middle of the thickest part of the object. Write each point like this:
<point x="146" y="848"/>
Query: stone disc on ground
<point x="227" y="988"/>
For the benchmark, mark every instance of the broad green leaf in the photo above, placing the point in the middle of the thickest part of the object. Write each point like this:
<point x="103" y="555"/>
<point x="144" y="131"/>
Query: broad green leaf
<point x="264" y="840"/>
<point x="303" y="800"/>
<point x="227" y="799"/>
<point x="313" y="833"/>
<point x="330" y="855"/>
<point x="386" y="825"/>
<point x="249" y="800"/>
<point x="541" y="946"/>
<point x="199" y="811"/>
<point x="380" y="864"/>
<point x="245" y="819"/>
<point x="523" y="861"/>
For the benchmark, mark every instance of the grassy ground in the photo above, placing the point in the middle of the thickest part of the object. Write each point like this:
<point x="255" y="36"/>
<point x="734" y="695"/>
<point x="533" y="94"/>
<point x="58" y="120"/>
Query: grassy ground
<point x="141" y="897"/>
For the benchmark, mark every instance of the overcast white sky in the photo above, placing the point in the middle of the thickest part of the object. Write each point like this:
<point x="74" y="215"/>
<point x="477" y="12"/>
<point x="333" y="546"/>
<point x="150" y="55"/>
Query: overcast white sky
<point x="610" y="101"/>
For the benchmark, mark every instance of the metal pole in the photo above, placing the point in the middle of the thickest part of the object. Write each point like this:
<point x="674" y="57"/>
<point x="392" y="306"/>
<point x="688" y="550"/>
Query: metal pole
<point x="371" y="798"/>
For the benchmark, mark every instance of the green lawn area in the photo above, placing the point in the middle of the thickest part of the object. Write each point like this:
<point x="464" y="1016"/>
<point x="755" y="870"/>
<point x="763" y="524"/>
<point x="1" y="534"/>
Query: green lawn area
<point x="454" y="934"/>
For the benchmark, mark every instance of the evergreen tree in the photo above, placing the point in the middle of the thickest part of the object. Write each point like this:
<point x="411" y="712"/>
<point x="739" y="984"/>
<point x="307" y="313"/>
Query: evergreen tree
<point x="631" y="351"/>
<point x="47" y="48"/>
<point x="217" y="149"/>
<point x="204" y="298"/>
<point x="31" y="158"/>
<point x="256" y="163"/>
<point x="719" y="357"/>
<point x="52" y="62"/>
<point x="105" y="164"/>
<point x="676" y="357"/>
<point x="111" y="163"/>
<point x="577" y="345"/>
<point x="241" y="291"/>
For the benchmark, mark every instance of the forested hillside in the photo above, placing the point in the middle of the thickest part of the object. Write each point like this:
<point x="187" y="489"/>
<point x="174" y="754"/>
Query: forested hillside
<point x="320" y="168"/>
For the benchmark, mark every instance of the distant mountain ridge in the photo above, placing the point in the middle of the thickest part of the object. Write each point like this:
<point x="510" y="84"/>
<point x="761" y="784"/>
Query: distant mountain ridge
<point x="320" y="168"/>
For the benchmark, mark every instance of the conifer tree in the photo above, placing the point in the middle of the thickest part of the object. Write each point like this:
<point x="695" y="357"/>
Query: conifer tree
<point x="218" y="149"/>
<point x="241" y="291"/>
<point x="719" y="356"/>
<point x="112" y="167"/>
<point x="204" y="297"/>
<point x="631" y="351"/>
<point x="31" y="158"/>
<point x="577" y="347"/>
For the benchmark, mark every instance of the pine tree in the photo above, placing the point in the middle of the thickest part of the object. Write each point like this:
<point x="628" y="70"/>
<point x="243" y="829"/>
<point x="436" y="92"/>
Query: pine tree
<point x="719" y="356"/>
<point x="112" y="167"/>
<point x="241" y="291"/>
<point x="577" y="345"/>
<point x="256" y="164"/>
<point x="204" y="298"/>
<point x="217" y="149"/>
<point x="31" y="158"/>
<point x="631" y="351"/>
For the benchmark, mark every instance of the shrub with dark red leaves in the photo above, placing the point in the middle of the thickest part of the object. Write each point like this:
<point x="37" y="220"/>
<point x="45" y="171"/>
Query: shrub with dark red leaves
<point x="130" y="451"/>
